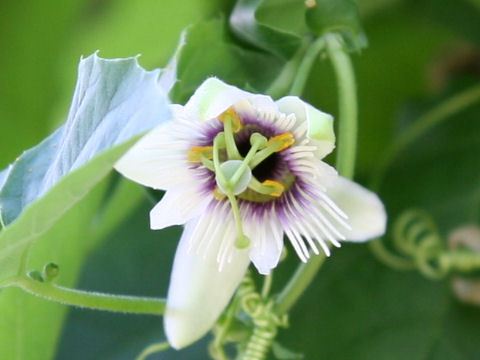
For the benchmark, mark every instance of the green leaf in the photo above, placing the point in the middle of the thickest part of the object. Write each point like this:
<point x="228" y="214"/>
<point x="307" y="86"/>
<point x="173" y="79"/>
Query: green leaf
<point x="283" y="15"/>
<point x="210" y="51"/>
<point x="340" y="16"/>
<point x="114" y="102"/>
<point x="251" y="21"/>
<point x="30" y="326"/>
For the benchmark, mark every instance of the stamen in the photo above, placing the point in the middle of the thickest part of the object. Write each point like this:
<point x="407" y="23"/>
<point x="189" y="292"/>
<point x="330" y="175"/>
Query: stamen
<point x="197" y="153"/>
<point x="277" y="187"/>
<point x="231" y="124"/>
<point x="268" y="187"/>
<point x="218" y="143"/>
<point x="218" y="194"/>
<point x="281" y="142"/>
<point x="275" y="144"/>
<point x="208" y="164"/>
<point x="232" y="116"/>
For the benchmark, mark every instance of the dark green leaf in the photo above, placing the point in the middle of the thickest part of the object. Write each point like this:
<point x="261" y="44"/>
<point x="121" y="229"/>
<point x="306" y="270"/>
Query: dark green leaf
<point x="275" y="36"/>
<point x="463" y="16"/>
<point x="209" y="51"/>
<point x="337" y="16"/>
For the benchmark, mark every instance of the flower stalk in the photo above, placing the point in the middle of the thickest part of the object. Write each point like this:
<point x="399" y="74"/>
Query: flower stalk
<point x="90" y="300"/>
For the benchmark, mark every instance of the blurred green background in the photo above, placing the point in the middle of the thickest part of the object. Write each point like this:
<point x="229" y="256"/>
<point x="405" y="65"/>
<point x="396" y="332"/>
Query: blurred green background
<point x="420" y="52"/>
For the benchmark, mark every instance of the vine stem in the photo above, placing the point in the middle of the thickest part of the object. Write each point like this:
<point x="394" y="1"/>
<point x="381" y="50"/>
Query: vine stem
<point x="298" y="283"/>
<point x="306" y="65"/>
<point x="283" y="82"/>
<point x="91" y="300"/>
<point x="347" y="140"/>
<point x="347" y="103"/>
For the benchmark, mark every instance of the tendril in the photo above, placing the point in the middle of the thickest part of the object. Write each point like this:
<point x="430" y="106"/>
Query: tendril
<point x="416" y="236"/>
<point x="265" y="321"/>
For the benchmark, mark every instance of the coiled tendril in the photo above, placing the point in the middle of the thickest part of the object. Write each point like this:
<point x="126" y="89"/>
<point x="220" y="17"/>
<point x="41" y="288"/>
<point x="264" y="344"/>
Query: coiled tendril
<point x="416" y="236"/>
<point x="264" y="318"/>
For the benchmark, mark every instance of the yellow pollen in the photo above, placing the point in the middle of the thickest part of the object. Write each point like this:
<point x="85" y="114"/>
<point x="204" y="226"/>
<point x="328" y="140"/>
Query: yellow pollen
<point x="310" y="4"/>
<point x="196" y="153"/>
<point x="277" y="187"/>
<point x="281" y="142"/>
<point x="231" y="115"/>
<point x="217" y="194"/>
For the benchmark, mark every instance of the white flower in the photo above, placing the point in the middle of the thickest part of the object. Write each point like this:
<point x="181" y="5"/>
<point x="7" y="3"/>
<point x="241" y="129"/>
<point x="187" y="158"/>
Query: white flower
<point x="240" y="171"/>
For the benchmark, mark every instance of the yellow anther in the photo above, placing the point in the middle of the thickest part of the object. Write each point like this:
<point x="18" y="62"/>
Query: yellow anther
<point x="281" y="142"/>
<point x="217" y="194"/>
<point x="231" y="115"/>
<point x="277" y="187"/>
<point x="196" y="153"/>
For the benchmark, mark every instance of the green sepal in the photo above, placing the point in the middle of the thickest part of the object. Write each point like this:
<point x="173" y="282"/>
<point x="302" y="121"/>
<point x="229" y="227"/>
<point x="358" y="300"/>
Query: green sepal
<point x="337" y="16"/>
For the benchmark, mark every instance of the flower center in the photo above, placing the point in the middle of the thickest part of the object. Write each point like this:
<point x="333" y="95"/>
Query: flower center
<point x="247" y="165"/>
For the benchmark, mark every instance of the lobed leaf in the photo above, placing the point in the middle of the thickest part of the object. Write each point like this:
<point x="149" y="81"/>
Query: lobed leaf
<point x="114" y="102"/>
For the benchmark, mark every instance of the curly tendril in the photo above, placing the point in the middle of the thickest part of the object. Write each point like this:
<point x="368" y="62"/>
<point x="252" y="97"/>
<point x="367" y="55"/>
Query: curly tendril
<point x="416" y="236"/>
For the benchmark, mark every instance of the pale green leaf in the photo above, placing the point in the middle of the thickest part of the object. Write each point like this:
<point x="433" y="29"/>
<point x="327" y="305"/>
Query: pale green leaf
<point x="114" y="102"/>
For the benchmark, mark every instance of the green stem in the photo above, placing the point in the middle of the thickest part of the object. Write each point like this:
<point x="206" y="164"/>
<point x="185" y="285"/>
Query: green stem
<point x="91" y="300"/>
<point x="347" y="101"/>
<point x="306" y="66"/>
<point x="298" y="283"/>
<point x="437" y="115"/>
<point x="223" y="331"/>
<point x="284" y="80"/>
<point x="347" y="140"/>
<point x="267" y="285"/>
<point x="153" y="349"/>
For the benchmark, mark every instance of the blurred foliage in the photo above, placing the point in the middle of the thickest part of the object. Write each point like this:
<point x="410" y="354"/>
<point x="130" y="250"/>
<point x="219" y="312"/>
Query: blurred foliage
<point x="419" y="53"/>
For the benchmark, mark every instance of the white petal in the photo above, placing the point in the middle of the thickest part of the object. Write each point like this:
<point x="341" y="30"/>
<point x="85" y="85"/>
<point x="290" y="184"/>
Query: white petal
<point x="198" y="291"/>
<point x="177" y="206"/>
<point x="267" y="242"/>
<point x="365" y="211"/>
<point x="213" y="97"/>
<point x="319" y="124"/>
<point x="157" y="160"/>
